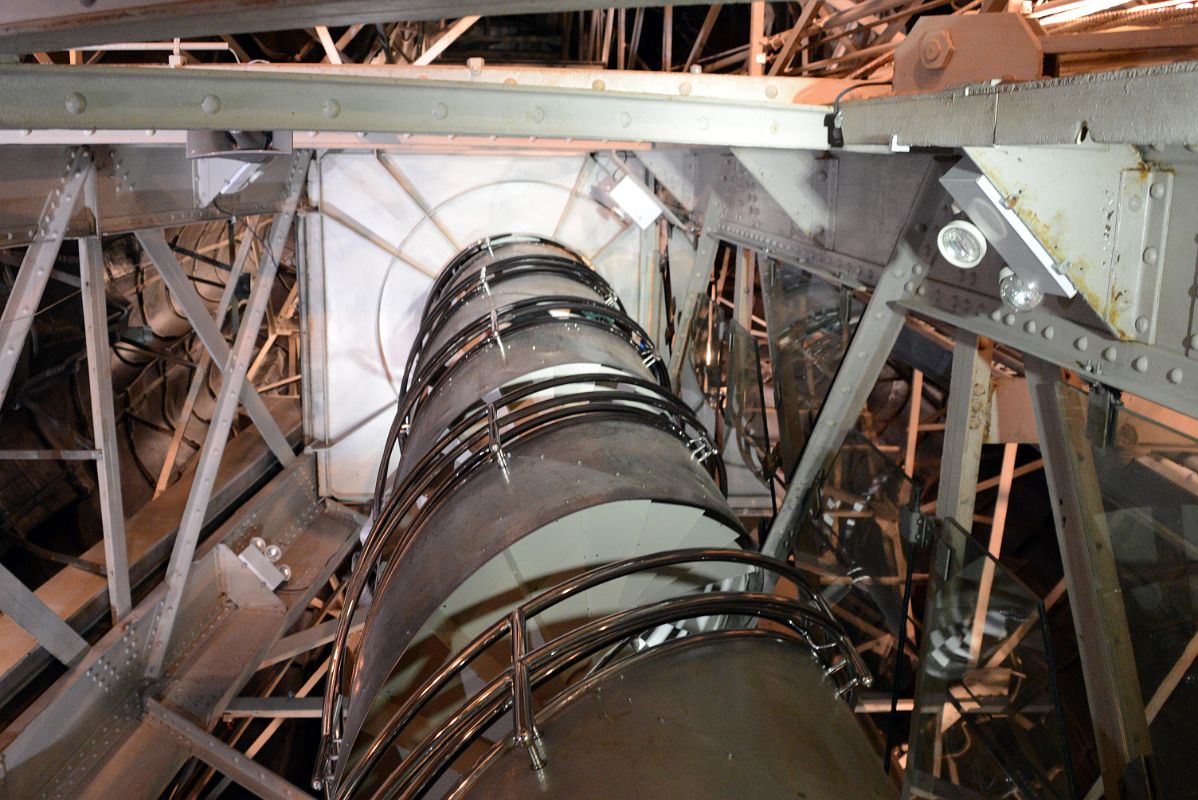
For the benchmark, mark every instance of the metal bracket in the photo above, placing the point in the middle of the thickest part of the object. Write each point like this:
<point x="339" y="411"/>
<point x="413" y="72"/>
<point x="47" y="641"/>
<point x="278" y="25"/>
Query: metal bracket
<point x="482" y="279"/>
<point x="261" y="559"/>
<point x="915" y="527"/>
<point x="496" y="444"/>
<point x="526" y="733"/>
<point x="701" y="448"/>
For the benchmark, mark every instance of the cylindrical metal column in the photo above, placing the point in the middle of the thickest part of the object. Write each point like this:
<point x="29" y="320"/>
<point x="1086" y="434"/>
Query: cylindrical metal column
<point x="533" y="411"/>
<point x="557" y="513"/>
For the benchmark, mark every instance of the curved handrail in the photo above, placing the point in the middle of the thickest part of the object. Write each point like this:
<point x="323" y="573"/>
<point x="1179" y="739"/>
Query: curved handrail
<point x="520" y="423"/>
<point x="446" y="281"/>
<point x="463" y="258"/>
<point x="515" y="267"/>
<point x="434" y="752"/>
<point x="509" y="319"/>
<point x="817" y="612"/>
<point x="557" y="307"/>
<point x="597" y="676"/>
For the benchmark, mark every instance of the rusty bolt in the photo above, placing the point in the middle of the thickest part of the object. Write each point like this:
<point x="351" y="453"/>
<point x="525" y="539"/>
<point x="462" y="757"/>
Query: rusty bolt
<point x="936" y="49"/>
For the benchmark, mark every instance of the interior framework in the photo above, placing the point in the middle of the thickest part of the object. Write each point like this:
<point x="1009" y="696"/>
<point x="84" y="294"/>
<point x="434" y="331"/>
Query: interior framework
<point x="923" y="273"/>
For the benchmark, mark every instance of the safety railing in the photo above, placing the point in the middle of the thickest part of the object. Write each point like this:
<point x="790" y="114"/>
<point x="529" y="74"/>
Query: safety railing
<point x="505" y="321"/>
<point x="487" y="245"/>
<point x="806" y="621"/>
<point x="492" y="276"/>
<point x="485" y="436"/>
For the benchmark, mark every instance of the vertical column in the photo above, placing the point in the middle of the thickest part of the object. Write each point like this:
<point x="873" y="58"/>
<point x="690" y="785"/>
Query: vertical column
<point x="99" y="379"/>
<point x="965" y="426"/>
<point x="757" y="38"/>
<point x="1092" y="581"/>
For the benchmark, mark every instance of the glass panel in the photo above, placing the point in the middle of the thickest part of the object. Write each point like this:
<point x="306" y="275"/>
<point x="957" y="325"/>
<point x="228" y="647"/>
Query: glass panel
<point x="746" y="440"/>
<point x="1147" y="507"/>
<point x="705" y="349"/>
<point x="849" y="541"/>
<point x="810" y="324"/>
<point x="986" y="722"/>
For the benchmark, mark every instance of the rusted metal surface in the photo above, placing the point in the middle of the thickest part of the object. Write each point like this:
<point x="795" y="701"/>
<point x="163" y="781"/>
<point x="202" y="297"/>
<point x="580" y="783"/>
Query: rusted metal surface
<point x="1101" y="213"/>
<point x="946" y="51"/>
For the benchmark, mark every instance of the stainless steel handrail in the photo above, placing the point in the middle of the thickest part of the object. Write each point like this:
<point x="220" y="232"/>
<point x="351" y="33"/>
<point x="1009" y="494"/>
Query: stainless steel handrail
<point x="603" y="632"/>
<point x="434" y="753"/>
<point x="406" y="496"/>
<point x="486" y="329"/>
<point x="589" y="682"/>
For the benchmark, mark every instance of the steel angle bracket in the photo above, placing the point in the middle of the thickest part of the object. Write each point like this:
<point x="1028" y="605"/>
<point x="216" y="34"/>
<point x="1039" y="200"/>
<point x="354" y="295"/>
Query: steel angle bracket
<point x="884" y="318"/>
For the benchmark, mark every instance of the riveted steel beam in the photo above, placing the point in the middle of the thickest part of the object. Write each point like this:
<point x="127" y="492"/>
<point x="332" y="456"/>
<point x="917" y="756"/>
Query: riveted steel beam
<point x="164" y="260"/>
<point x="871" y="346"/>
<point x="1150" y="105"/>
<point x="1152" y="372"/>
<point x="34" y="273"/>
<point x="136" y="98"/>
<point x="99" y="378"/>
<point x="222" y="418"/>
<point x="876" y="334"/>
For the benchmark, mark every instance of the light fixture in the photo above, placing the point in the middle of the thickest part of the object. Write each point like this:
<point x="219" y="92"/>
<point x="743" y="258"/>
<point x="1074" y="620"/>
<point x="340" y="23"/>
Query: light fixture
<point x="1018" y="294"/>
<point x="962" y="244"/>
<point x="1003" y="229"/>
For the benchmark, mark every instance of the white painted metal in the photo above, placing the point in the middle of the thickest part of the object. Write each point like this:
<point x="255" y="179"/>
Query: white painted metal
<point x="108" y="467"/>
<point x="386" y="225"/>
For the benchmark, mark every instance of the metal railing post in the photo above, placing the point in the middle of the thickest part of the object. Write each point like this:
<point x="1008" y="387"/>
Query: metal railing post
<point x="527" y="735"/>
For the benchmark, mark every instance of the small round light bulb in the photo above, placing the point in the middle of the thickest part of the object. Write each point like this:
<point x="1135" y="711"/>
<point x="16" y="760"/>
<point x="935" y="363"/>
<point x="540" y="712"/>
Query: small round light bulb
<point x="1016" y="293"/>
<point x="962" y="244"/>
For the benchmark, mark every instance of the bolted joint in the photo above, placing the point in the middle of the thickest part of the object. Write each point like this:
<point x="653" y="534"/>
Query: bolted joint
<point x="936" y="49"/>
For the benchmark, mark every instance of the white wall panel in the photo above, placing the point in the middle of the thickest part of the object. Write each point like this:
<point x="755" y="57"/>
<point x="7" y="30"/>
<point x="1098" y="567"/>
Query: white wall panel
<point x="371" y="261"/>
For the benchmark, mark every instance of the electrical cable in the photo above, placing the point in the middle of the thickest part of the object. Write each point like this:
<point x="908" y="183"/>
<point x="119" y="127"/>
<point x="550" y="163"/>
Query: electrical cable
<point x="832" y="119"/>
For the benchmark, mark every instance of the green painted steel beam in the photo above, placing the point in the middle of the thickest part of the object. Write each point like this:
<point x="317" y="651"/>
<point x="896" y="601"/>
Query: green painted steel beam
<point x="138" y="98"/>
